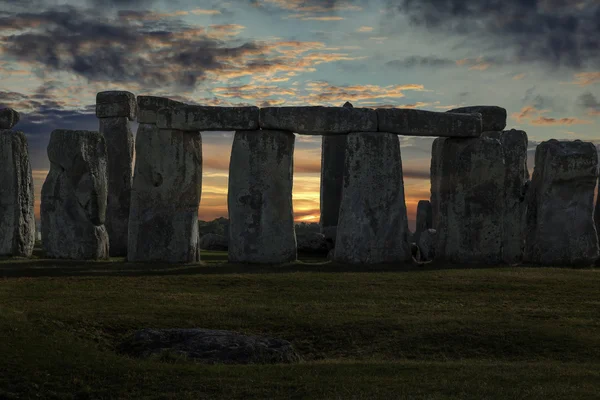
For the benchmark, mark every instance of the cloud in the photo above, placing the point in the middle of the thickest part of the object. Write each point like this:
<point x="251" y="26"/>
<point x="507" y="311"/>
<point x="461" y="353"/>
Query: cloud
<point x="421" y="61"/>
<point x="326" y="93"/>
<point x="586" y="78"/>
<point x="533" y="116"/>
<point x="365" y="29"/>
<point x="589" y="103"/>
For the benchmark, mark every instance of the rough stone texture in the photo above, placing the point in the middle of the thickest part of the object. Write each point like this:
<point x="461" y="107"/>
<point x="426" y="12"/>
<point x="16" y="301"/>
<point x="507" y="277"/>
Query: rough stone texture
<point x="8" y="118"/>
<point x="493" y="117"/>
<point x="261" y="217"/>
<point x="514" y="146"/>
<point x="212" y="241"/>
<point x="116" y="103"/>
<point x="470" y="201"/>
<point x="424" y="218"/>
<point x="205" y="118"/>
<point x="372" y="226"/>
<point x="597" y="219"/>
<point x="208" y="346"/>
<point x="426" y="245"/>
<point x="333" y="154"/>
<point x="436" y="183"/>
<point x="319" y="120"/>
<point x="313" y="243"/>
<point x="119" y="146"/>
<point x="560" y="225"/>
<point x="148" y="106"/>
<point x="428" y="123"/>
<point x="17" y="221"/>
<point x="74" y="196"/>
<point x="167" y="185"/>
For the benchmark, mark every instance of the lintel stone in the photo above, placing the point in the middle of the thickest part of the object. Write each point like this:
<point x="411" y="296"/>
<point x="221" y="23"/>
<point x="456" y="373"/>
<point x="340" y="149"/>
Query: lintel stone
<point x="493" y="117"/>
<point x="402" y="121"/>
<point x="148" y="107"/>
<point x="208" y="118"/>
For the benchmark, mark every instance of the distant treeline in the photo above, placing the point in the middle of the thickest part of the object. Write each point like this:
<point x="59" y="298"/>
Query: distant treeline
<point x="220" y="226"/>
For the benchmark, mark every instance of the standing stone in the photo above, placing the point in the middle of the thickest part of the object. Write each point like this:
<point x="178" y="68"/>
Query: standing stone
<point x="17" y="221"/>
<point x="436" y="182"/>
<point x="167" y="185"/>
<point x="424" y="218"/>
<point x="560" y="225"/>
<point x="372" y="225"/>
<point x="426" y="245"/>
<point x="261" y="220"/>
<point x="333" y="154"/>
<point x="74" y="195"/>
<point x="119" y="146"/>
<point x="470" y="201"/>
<point x="597" y="215"/>
<point x="8" y="118"/>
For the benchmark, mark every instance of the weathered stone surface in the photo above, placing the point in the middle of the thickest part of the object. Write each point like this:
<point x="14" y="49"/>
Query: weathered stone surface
<point x="411" y="122"/>
<point x="206" y="118"/>
<point x="372" y="226"/>
<point x="516" y="178"/>
<point x="212" y="241"/>
<point x="8" y="118"/>
<point x="119" y="146"/>
<point x="167" y="185"/>
<point x="470" y="201"/>
<point x="209" y="346"/>
<point x="261" y="217"/>
<point x="17" y="221"/>
<point x="560" y="225"/>
<point x="426" y="245"/>
<point x="116" y="103"/>
<point x="148" y="107"/>
<point x="493" y="117"/>
<point x="333" y="154"/>
<point x="319" y="120"/>
<point x="74" y="196"/>
<point x="597" y="219"/>
<point x="313" y="243"/>
<point x="436" y="182"/>
<point x="424" y="218"/>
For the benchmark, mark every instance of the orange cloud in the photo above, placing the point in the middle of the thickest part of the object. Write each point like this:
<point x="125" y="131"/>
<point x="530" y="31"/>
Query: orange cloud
<point x="519" y="77"/>
<point x="365" y="29"/>
<point x="586" y="78"/>
<point x="325" y="93"/>
<point x="533" y="116"/>
<point x="560" y="121"/>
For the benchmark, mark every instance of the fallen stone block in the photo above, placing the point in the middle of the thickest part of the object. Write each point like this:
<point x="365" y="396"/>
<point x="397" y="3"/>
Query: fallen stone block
<point x="17" y="221"/>
<point x="259" y="200"/>
<point x="214" y="242"/>
<point x="148" y="107"/>
<point x="411" y="122"/>
<point x="8" y="118"/>
<point x="74" y="196"/>
<point x="205" y="118"/>
<point x="319" y="120"/>
<point x="116" y="103"/>
<point x="493" y="117"/>
<point x="560" y="224"/>
<point x="313" y="243"/>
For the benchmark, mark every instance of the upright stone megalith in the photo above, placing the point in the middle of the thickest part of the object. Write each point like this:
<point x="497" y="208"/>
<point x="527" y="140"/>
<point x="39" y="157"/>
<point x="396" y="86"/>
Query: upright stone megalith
<point x="434" y="177"/>
<point x="74" y="195"/>
<point x="17" y="221"/>
<point x="333" y="155"/>
<point x="560" y="224"/>
<point x="167" y="185"/>
<point x="114" y="109"/>
<point x="261" y="218"/>
<point x="424" y="218"/>
<point x="372" y="225"/>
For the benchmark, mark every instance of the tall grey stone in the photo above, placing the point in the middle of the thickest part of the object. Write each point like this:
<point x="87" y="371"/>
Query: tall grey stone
<point x="372" y="225"/>
<point x="8" y="118"/>
<point x="435" y="180"/>
<point x="333" y="154"/>
<point x="424" y="218"/>
<point x="74" y="196"/>
<point x="560" y="225"/>
<point x="17" y="221"/>
<point x="261" y="219"/>
<point x="597" y="215"/>
<point x="470" y="201"/>
<point x="167" y="185"/>
<point x="119" y="145"/>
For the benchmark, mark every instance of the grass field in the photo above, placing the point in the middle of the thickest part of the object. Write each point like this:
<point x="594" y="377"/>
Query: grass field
<point x="364" y="333"/>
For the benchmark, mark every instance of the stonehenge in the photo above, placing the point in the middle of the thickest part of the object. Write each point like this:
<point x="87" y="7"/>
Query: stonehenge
<point x="74" y="196"/>
<point x="17" y="221"/>
<point x="424" y="218"/>
<point x="114" y="110"/>
<point x="560" y="224"/>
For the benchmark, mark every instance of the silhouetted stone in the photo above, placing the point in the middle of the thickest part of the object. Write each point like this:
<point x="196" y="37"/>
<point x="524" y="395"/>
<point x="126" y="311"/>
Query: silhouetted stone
<point x="206" y="118"/>
<point x="317" y="120"/>
<point x="426" y="245"/>
<point x="493" y="117"/>
<point x="116" y="103"/>
<point x="434" y="176"/>
<point x="8" y="118"/>
<point x="212" y="241"/>
<point x="17" y="221"/>
<point x="372" y="226"/>
<point x="424" y="218"/>
<point x="167" y="185"/>
<point x="410" y="122"/>
<point x="313" y="243"/>
<point x="260" y="198"/>
<point x="74" y="196"/>
<point x="148" y="107"/>
<point x="560" y="225"/>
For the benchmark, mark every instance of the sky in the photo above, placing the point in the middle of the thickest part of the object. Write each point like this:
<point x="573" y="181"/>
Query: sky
<point x="538" y="59"/>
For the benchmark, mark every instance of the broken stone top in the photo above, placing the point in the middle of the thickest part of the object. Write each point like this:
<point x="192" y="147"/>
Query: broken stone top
<point x="66" y="146"/>
<point x="116" y="103"/>
<point x="8" y="118"/>
<point x="567" y="155"/>
<point x="148" y="107"/>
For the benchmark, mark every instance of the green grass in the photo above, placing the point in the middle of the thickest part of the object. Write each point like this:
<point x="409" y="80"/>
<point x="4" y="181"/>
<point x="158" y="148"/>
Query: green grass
<point x="364" y="332"/>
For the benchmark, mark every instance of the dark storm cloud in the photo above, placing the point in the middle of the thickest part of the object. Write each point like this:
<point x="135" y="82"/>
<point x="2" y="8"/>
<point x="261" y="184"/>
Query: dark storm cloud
<point x="589" y="103"/>
<point x="555" y="32"/>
